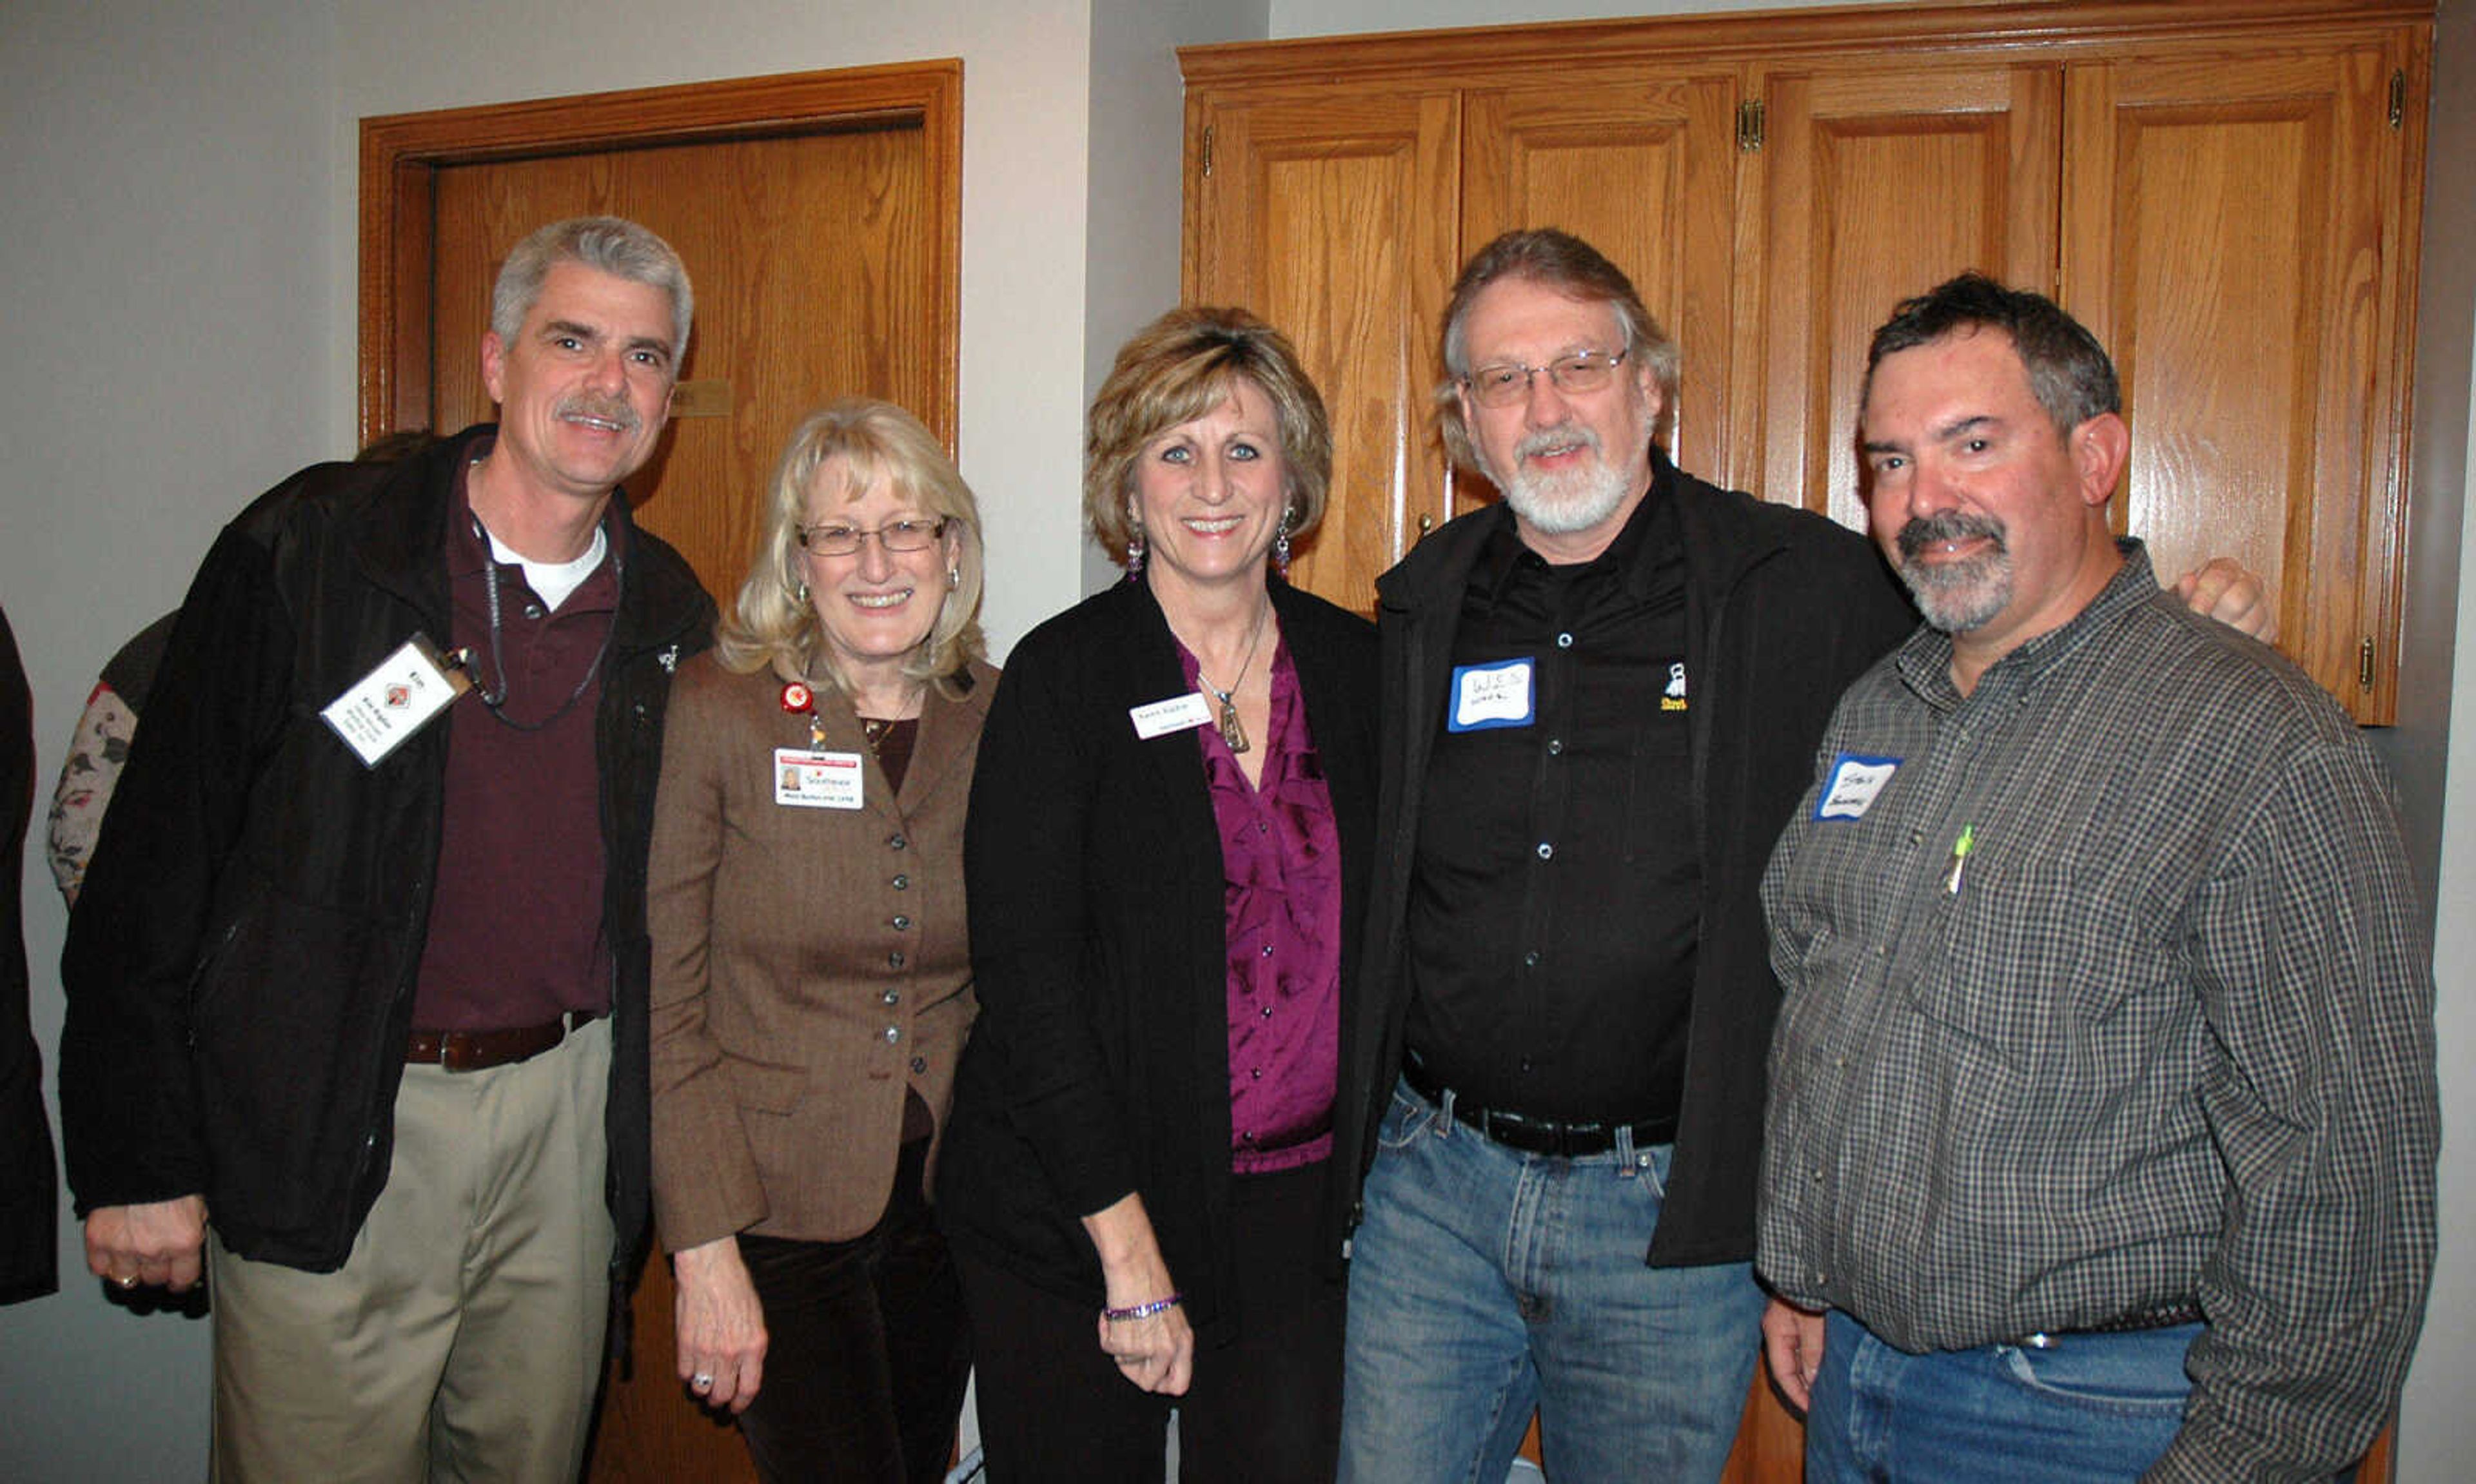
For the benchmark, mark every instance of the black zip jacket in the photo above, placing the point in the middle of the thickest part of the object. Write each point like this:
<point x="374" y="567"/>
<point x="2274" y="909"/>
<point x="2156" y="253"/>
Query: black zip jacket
<point x="240" y="965"/>
<point x="1783" y="609"/>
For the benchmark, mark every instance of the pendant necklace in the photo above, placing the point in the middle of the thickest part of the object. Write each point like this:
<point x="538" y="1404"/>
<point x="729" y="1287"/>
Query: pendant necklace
<point x="1232" y="731"/>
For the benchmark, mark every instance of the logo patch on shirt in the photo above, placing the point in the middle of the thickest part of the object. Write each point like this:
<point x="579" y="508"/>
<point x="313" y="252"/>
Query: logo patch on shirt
<point x="1853" y="785"/>
<point x="1492" y="695"/>
<point x="1673" y="698"/>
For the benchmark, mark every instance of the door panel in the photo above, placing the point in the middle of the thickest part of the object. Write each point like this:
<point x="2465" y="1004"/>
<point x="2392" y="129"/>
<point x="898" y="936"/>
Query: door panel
<point x="1321" y="214"/>
<point x="1877" y="185"/>
<point x="2235" y="236"/>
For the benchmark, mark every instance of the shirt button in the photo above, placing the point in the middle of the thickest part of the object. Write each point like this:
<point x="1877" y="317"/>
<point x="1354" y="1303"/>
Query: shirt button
<point x="1255" y="1075"/>
<point x="1268" y="950"/>
<point x="1267" y="1012"/>
<point x="1545" y="850"/>
<point x="1917" y="837"/>
<point x="892" y="997"/>
<point x="1555" y="746"/>
<point x="897" y="843"/>
<point x="901" y="922"/>
<point x="903" y="883"/>
<point x="919" y="1065"/>
<point x="532" y="611"/>
<point x="1262" y="829"/>
<point x="894" y="960"/>
<point x="893" y="1033"/>
<point x="1564" y="641"/>
<point x="1248" y="1136"/>
<point x="1530" y="960"/>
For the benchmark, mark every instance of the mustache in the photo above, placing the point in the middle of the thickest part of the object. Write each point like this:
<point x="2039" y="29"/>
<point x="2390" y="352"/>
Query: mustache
<point x="607" y="409"/>
<point x="1924" y="530"/>
<point x="1547" y="438"/>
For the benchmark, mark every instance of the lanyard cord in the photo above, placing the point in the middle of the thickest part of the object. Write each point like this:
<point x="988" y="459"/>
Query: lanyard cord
<point x="495" y="698"/>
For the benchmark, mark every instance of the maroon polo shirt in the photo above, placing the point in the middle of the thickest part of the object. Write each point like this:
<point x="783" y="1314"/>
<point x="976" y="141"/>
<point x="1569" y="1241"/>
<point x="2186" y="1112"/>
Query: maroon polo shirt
<point x="515" y="915"/>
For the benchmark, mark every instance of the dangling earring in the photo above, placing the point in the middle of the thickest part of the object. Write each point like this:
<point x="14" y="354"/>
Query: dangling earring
<point x="799" y="594"/>
<point x="1281" y="545"/>
<point x="1136" y="553"/>
<point x="953" y="576"/>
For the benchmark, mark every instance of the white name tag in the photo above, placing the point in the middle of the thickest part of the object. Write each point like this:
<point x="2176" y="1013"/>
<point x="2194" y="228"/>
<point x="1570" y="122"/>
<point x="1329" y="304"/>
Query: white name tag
<point x="1495" y="695"/>
<point x="379" y="710"/>
<point x="819" y="780"/>
<point x="1853" y="784"/>
<point x="1178" y="713"/>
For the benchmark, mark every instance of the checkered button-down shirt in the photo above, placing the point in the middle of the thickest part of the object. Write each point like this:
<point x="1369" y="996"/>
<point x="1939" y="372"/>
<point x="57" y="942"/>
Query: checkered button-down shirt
<point x="2161" y="1028"/>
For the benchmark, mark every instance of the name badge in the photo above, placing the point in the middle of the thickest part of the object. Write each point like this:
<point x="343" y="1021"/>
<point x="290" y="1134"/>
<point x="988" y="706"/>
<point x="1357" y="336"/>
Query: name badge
<point x="378" y="712"/>
<point x="1492" y="695"/>
<point x="1178" y="713"/>
<point x="818" y="780"/>
<point x="1853" y="785"/>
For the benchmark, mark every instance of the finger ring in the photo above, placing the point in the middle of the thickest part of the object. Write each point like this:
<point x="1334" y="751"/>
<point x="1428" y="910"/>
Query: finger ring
<point x="701" y="1381"/>
<point x="127" y="1280"/>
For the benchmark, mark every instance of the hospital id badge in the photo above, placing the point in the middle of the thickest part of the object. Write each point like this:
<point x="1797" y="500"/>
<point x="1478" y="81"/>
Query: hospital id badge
<point x="804" y="779"/>
<point x="377" y="713"/>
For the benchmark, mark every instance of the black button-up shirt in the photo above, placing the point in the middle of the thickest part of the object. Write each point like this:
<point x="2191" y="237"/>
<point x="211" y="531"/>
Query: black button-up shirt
<point x="1555" y="900"/>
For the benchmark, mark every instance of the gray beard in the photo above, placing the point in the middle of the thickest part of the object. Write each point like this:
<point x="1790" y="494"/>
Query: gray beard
<point x="1956" y="597"/>
<point x="1562" y="507"/>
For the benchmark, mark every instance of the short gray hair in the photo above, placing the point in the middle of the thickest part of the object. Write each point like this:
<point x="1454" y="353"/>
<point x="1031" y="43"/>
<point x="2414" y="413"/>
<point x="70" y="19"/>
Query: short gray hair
<point x="608" y="244"/>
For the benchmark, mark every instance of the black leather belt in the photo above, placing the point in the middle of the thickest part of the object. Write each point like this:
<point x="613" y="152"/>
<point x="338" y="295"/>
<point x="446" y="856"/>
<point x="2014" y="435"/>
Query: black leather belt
<point x="1533" y="1135"/>
<point x="2158" y="1316"/>
<point x="472" y="1051"/>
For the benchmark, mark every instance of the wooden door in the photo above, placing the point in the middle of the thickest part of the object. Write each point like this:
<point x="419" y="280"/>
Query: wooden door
<point x="1870" y="184"/>
<point x="819" y="218"/>
<point x="2241" y="229"/>
<point x="1329" y="212"/>
<point x="1642" y="168"/>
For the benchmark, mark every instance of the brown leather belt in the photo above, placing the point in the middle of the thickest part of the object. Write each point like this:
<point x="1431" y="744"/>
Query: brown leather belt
<point x="472" y="1051"/>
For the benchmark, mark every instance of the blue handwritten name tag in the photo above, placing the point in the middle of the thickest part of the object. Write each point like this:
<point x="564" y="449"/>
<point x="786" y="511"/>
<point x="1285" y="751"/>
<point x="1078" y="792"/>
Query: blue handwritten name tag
<point x="1492" y="695"/>
<point x="1853" y="785"/>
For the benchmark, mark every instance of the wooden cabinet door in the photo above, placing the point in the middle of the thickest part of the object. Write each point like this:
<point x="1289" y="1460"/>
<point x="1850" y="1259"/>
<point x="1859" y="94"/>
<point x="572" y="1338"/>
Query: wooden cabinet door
<point x="1870" y="184"/>
<point x="1642" y="167"/>
<point x="1329" y="212"/>
<point x="2241" y="231"/>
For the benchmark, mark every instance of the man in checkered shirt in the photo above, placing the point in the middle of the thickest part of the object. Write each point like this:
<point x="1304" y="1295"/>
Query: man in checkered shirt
<point x="2102" y="1110"/>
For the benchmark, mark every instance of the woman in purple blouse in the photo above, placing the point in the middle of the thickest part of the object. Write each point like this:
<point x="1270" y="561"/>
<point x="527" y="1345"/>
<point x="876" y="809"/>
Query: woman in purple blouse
<point x="1166" y="859"/>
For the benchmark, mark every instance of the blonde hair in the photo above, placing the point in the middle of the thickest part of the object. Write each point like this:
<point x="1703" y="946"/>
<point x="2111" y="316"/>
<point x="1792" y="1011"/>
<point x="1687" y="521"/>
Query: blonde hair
<point x="1177" y="369"/>
<point x="772" y="623"/>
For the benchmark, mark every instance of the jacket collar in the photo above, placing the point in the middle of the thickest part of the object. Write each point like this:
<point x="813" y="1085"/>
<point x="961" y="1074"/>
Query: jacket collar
<point x="403" y="546"/>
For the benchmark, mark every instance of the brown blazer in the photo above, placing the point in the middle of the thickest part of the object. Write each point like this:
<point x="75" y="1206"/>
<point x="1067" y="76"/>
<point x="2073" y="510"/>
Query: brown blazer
<point x="809" y="964"/>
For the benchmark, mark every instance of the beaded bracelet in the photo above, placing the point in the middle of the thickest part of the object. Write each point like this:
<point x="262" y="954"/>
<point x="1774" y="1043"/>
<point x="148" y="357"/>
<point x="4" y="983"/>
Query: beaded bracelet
<point x="1141" y="1310"/>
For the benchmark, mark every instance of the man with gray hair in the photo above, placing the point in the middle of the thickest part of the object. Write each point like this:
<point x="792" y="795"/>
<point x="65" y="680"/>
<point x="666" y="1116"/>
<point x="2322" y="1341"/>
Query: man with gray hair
<point x="1600" y="702"/>
<point x="357" y="987"/>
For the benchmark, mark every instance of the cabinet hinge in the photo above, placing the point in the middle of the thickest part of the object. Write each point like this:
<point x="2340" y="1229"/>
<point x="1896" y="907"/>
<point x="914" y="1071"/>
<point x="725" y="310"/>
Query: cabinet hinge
<point x="2364" y="665"/>
<point x="1749" y="125"/>
<point x="2398" y="99"/>
<point x="1207" y="151"/>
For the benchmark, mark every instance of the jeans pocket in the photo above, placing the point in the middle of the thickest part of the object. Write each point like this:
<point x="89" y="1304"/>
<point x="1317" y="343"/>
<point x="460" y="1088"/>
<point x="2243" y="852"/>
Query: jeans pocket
<point x="2138" y="1375"/>
<point x="1409" y="1117"/>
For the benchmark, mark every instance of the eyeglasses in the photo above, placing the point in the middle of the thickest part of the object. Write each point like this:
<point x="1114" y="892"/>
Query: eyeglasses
<point x="1504" y="385"/>
<point x="837" y="539"/>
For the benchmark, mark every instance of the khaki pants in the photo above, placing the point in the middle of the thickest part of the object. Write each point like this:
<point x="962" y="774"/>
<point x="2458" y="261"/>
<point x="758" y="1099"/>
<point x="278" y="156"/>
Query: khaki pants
<point x="462" y="1338"/>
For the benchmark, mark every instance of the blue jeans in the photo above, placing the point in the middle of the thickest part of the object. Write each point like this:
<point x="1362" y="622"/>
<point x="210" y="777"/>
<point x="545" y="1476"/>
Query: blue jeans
<point x="1484" y="1281"/>
<point x="2094" y="1408"/>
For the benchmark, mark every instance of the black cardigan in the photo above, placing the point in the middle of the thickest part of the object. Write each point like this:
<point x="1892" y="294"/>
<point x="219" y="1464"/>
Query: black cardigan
<point x="1100" y="1064"/>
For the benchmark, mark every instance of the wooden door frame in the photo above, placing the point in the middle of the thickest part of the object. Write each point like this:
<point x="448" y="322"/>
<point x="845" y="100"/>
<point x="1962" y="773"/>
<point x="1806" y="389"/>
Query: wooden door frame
<point x="401" y="154"/>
